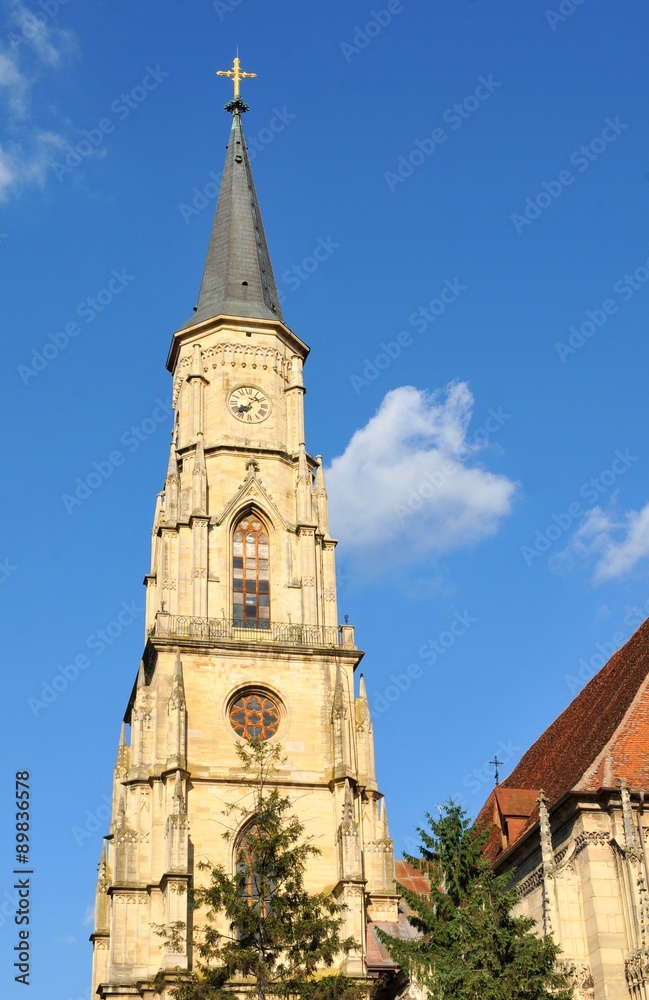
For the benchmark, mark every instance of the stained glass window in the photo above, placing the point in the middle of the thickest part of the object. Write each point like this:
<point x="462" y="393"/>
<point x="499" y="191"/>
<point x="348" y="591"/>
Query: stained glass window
<point x="254" y="716"/>
<point x="252" y="884"/>
<point x="250" y="580"/>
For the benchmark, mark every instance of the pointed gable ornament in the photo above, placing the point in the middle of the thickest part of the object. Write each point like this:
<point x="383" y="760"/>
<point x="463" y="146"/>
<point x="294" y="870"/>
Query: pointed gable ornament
<point x="631" y="840"/>
<point x="252" y="468"/>
<point x="252" y="490"/>
<point x="348" y="839"/>
<point x="548" y="864"/>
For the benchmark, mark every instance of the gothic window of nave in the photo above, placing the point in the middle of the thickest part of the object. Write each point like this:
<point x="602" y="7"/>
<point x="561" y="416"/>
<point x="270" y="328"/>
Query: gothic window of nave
<point x="251" y="884"/>
<point x="250" y="574"/>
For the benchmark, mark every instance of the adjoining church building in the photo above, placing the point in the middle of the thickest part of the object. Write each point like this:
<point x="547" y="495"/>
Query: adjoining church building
<point x="242" y="634"/>
<point x="571" y="821"/>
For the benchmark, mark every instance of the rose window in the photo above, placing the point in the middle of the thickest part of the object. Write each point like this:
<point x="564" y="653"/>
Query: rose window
<point x="254" y="716"/>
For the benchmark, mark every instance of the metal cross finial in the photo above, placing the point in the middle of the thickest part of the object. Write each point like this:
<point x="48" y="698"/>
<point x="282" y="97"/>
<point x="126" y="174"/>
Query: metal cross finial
<point x="495" y="763"/>
<point x="235" y="75"/>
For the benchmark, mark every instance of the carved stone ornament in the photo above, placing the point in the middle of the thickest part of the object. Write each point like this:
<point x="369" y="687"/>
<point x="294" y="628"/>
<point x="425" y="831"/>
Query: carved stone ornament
<point x="594" y="837"/>
<point x="582" y="978"/>
<point x="379" y="846"/>
<point x="232" y="355"/>
<point x="636" y="967"/>
<point x="125" y="836"/>
<point x="176" y="699"/>
<point x="560" y="855"/>
<point x="103" y="881"/>
<point x="339" y="710"/>
<point x="531" y="883"/>
<point x="414" y="991"/>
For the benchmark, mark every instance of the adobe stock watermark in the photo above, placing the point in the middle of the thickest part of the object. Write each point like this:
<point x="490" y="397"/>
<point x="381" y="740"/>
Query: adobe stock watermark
<point x="122" y="108"/>
<point x="624" y="288"/>
<point x="419" y="320"/>
<point x="590" y="491"/>
<point x="31" y="27"/>
<point x="7" y="569"/>
<point x="8" y="907"/>
<point x="581" y="159"/>
<point x="296" y="275"/>
<point x="225" y="7"/>
<point x="96" y="644"/>
<point x="588" y="667"/>
<point x="87" y="310"/>
<point x="203" y="196"/>
<point x="93" y="821"/>
<point x="455" y="116"/>
<point x="475" y="780"/>
<point x="480" y="779"/>
<point x="430" y="652"/>
<point x="565" y="9"/>
<point x="435" y="479"/>
<point x="131" y="439"/>
<point x="377" y="21"/>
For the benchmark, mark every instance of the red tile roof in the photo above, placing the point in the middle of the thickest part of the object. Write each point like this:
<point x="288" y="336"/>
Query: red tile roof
<point x="516" y="801"/>
<point x="602" y="736"/>
<point x="377" y="955"/>
<point x="410" y="877"/>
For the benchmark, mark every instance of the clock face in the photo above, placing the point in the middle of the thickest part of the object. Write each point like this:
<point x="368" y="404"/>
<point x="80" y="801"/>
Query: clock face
<point x="249" y="404"/>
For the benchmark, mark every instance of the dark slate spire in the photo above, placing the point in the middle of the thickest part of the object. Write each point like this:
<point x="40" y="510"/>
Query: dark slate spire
<point x="238" y="278"/>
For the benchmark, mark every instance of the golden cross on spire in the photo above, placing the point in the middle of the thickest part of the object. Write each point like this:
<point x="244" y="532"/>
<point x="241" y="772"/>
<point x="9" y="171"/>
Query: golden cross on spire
<point x="235" y="75"/>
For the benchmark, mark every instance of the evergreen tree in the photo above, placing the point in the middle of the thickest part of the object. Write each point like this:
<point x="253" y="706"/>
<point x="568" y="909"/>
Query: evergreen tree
<point x="470" y="946"/>
<point x="277" y="936"/>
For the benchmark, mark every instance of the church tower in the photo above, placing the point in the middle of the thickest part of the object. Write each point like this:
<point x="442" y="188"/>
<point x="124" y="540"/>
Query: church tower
<point x="242" y="632"/>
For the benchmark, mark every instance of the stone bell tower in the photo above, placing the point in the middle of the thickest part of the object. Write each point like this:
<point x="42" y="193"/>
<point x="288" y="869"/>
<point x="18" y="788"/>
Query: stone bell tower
<point x="242" y="634"/>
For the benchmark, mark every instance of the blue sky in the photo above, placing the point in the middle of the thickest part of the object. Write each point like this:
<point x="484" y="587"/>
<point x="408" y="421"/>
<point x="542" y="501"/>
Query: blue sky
<point x="477" y="175"/>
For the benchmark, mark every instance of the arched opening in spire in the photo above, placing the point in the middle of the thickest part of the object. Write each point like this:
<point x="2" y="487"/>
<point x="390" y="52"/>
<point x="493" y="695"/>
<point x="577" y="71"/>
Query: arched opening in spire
<point x="250" y="573"/>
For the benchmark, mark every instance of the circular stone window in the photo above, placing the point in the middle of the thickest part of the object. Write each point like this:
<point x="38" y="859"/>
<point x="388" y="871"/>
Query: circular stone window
<point x="254" y="715"/>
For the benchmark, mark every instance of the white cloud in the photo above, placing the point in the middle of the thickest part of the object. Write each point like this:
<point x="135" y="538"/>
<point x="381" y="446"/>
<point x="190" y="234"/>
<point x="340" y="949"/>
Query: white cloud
<point x="14" y="85"/>
<point x="9" y="72"/>
<point x="20" y="166"/>
<point x="617" y="544"/>
<point x="7" y="173"/>
<point x="50" y="43"/>
<point x="35" y="46"/>
<point x="408" y="482"/>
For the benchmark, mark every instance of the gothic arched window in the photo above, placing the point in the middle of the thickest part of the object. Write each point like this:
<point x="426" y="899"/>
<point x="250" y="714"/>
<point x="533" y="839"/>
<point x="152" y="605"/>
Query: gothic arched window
<point x="254" y="868"/>
<point x="250" y="580"/>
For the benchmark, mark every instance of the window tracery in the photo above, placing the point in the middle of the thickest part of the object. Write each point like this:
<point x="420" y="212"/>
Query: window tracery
<point x="250" y="574"/>
<point x="254" y="715"/>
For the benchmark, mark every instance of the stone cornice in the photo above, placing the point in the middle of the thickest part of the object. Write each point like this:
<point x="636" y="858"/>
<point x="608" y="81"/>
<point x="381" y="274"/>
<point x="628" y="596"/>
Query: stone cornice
<point x="225" y="324"/>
